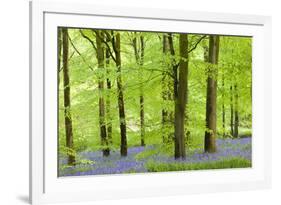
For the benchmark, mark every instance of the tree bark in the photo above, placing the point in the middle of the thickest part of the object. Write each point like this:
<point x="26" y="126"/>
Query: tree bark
<point x="174" y="64"/>
<point x="167" y="94"/>
<point x="223" y="107"/>
<point x="181" y="98"/>
<point x="231" y="112"/>
<point x="139" y="61"/>
<point x="141" y="93"/>
<point x="211" y="101"/>
<point x="122" y="118"/>
<point x="172" y="86"/>
<point x="102" y="122"/>
<point x="108" y="102"/>
<point x="59" y="53"/>
<point x="67" y="104"/>
<point x="236" y="113"/>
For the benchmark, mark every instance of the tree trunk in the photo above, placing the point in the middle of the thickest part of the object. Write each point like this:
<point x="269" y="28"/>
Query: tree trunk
<point x="236" y="114"/>
<point x="167" y="95"/>
<point x="173" y="84"/>
<point x="59" y="53"/>
<point x="181" y="98"/>
<point x="223" y="107"/>
<point x="174" y="64"/>
<point x="67" y="104"/>
<point x="122" y="118"/>
<point x="108" y="103"/>
<point x="139" y="61"/>
<point x="231" y="112"/>
<point x="102" y="123"/>
<point x="211" y="101"/>
<point x="141" y="93"/>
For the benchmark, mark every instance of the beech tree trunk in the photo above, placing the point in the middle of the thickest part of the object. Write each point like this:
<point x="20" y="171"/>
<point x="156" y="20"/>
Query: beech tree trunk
<point x="67" y="104"/>
<point x="223" y="107"/>
<point x="236" y="114"/>
<point x="173" y="85"/>
<point x="231" y="112"/>
<point x="102" y="122"/>
<point x="122" y="118"/>
<point x="108" y="103"/>
<point x="59" y="53"/>
<point x="141" y="92"/>
<point x="139" y="55"/>
<point x="211" y="99"/>
<point x="167" y="94"/>
<point x="181" y="98"/>
<point x="174" y="65"/>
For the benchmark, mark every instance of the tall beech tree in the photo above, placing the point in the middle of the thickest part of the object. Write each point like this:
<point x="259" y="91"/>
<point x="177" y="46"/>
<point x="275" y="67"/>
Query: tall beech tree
<point x="211" y="96"/>
<point x="167" y="91"/>
<point x="116" y="44"/>
<point x="223" y="106"/>
<point x="174" y="64"/>
<point x="231" y="112"/>
<point x="141" y="92"/>
<point x="101" y="67"/>
<point x="173" y="84"/>
<point x="138" y="46"/>
<point x="67" y="104"/>
<point x="108" y="92"/>
<point x="236" y="114"/>
<point x="181" y="98"/>
<point x="59" y="52"/>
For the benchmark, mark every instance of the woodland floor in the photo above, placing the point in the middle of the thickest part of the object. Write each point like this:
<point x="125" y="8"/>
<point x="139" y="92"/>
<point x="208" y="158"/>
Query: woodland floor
<point x="231" y="153"/>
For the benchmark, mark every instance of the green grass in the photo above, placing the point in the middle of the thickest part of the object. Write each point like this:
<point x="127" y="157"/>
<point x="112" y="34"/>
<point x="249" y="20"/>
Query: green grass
<point x="180" y="166"/>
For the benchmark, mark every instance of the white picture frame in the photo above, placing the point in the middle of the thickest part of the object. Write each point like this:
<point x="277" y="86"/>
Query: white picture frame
<point x="46" y="187"/>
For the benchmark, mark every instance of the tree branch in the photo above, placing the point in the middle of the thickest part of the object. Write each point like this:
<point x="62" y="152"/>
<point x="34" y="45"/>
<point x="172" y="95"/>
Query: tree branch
<point x="106" y="43"/>
<point x="113" y="42"/>
<point x="77" y="51"/>
<point x="196" y="44"/>
<point x="61" y="68"/>
<point x="86" y="37"/>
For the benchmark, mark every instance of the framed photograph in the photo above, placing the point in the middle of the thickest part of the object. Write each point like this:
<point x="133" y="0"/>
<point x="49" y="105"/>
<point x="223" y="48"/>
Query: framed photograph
<point x="130" y="102"/>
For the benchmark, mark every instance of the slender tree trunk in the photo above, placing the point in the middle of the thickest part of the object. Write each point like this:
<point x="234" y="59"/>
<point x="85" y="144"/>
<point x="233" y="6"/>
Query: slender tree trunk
<point x="173" y="85"/>
<point x="67" y="104"/>
<point x="236" y="114"/>
<point x="231" y="112"/>
<point x="102" y="123"/>
<point x="59" y="53"/>
<point x="167" y="95"/>
<point x="211" y="101"/>
<point x="181" y="99"/>
<point x="164" y="91"/>
<point x="141" y="92"/>
<point x="223" y="107"/>
<point x="174" y="64"/>
<point x="122" y="118"/>
<point x="108" y="103"/>
<point x="139" y="61"/>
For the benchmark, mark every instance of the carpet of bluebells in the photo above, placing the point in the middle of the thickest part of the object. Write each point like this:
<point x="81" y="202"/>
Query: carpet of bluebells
<point x="96" y="164"/>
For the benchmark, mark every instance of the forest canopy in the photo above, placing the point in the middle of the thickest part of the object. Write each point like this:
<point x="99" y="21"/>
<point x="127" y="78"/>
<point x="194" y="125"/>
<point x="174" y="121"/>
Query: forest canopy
<point x="132" y="101"/>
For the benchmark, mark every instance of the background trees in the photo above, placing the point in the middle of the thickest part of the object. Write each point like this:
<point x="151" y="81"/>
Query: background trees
<point x="130" y="89"/>
<point x="138" y="45"/>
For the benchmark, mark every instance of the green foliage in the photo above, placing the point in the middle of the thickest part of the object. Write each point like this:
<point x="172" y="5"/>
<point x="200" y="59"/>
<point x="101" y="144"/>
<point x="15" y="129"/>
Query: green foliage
<point x="234" y="68"/>
<point x="158" y="150"/>
<point x="178" y="166"/>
